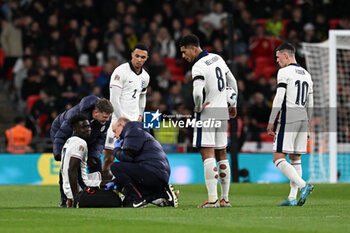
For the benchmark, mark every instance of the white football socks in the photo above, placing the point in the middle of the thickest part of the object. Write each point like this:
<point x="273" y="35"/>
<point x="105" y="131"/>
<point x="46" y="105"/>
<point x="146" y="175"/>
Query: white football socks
<point x="289" y="171"/>
<point x="225" y="178"/>
<point x="211" y="178"/>
<point x="293" y="187"/>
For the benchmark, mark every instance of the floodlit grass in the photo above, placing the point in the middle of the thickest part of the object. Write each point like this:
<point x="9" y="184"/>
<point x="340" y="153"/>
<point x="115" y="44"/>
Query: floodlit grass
<point x="34" y="209"/>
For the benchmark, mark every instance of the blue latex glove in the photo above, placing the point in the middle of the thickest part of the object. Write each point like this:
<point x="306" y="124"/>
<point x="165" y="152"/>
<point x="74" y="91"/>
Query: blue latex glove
<point x="110" y="185"/>
<point x="118" y="143"/>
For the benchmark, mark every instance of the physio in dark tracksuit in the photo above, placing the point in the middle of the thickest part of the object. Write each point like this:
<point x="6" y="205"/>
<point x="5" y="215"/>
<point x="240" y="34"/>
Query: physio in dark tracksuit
<point x="143" y="169"/>
<point x="98" y="112"/>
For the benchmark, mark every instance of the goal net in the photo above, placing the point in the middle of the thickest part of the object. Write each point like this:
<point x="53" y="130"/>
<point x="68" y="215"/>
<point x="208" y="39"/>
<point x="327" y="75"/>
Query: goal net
<point x="329" y="66"/>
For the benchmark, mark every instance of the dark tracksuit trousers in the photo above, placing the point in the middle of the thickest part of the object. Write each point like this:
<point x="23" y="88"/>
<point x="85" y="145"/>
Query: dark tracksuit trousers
<point x="139" y="182"/>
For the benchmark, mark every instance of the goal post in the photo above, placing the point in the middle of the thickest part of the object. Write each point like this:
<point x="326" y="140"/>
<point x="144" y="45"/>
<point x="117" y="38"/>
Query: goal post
<point x="329" y="66"/>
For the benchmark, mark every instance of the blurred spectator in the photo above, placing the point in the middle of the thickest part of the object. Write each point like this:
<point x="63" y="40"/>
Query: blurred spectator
<point x="296" y="22"/>
<point x="162" y="81"/>
<point x="92" y="56"/>
<point x="344" y="23"/>
<point x="147" y="40"/>
<point x="261" y="45"/>
<point x="187" y="8"/>
<point x="103" y="79"/>
<point x="44" y="105"/>
<point x="217" y="15"/>
<point x="81" y="39"/>
<point x="112" y="28"/>
<point x="11" y="42"/>
<point x="19" y="138"/>
<point x="89" y="80"/>
<point x="20" y="71"/>
<point x="168" y="14"/>
<point x="218" y="48"/>
<point x="176" y="28"/>
<point x="173" y="97"/>
<point x="156" y="66"/>
<point x="165" y="45"/>
<point x="240" y="47"/>
<point x="259" y="110"/>
<point x="321" y="27"/>
<point x="31" y="85"/>
<point x="274" y="25"/>
<point x="310" y="36"/>
<point x="244" y="23"/>
<point x="130" y="38"/>
<point x="207" y="30"/>
<point x="116" y="48"/>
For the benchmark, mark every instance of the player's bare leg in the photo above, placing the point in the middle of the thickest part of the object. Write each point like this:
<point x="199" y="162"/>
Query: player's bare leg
<point x="225" y="176"/>
<point x="210" y="176"/>
<point x="107" y="160"/>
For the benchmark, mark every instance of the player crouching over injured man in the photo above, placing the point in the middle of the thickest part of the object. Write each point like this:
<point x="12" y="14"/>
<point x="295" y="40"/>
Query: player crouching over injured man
<point x="143" y="171"/>
<point x="74" y="161"/>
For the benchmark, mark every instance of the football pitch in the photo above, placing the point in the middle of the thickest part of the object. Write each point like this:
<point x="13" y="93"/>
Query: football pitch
<point x="34" y="209"/>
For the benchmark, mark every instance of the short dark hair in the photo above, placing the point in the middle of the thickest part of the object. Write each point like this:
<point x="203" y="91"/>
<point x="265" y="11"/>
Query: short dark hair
<point x="286" y="46"/>
<point x="104" y="105"/>
<point x="73" y="121"/>
<point x="189" y="40"/>
<point x="141" y="47"/>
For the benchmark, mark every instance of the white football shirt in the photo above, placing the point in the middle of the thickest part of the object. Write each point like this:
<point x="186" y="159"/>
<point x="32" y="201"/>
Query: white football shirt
<point x="215" y="73"/>
<point x="298" y="88"/>
<point x="77" y="148"/>
<point x="132" y="85"/>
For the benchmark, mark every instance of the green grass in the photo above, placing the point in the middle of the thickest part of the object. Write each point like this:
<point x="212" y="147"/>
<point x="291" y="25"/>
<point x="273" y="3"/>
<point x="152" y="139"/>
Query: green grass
<point x="34" y="209"/>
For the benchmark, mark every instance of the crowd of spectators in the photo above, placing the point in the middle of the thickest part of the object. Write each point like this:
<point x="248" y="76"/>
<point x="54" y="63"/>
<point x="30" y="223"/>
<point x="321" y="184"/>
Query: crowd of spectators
<point x="55" y="52"/>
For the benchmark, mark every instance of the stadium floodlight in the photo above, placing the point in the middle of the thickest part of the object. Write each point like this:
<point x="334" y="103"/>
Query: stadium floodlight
<point x="329" y="66"/>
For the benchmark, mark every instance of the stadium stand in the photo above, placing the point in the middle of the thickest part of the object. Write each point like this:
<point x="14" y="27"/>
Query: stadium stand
<point x="67" y="80"/>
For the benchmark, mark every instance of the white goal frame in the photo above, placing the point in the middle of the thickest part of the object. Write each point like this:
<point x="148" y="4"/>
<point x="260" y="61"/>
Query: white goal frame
<point x="333" y="102"/>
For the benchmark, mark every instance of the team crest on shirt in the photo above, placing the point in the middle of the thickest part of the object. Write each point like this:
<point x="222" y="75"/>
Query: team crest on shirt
<point x="81" y="148"/>
<point x="117" y="77"/>
<point x="143" y="84"/>
<point x="103" y="128"/>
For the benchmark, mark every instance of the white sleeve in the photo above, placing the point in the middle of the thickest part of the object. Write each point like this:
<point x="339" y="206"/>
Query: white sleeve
<point x="115" y="91"/>
<point x="310" y="104"/>
<point x="277" y="104"/>
<point x="143" y="99"/>
<point x="281" y="77"/>
<point x="198" y="85"/>
<point x="142" y="103"/>
<point x="79" y="149"/>
<point x="231" y="82"/>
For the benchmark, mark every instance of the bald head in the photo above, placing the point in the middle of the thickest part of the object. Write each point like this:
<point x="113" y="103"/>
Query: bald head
<point x="118" y="126"/>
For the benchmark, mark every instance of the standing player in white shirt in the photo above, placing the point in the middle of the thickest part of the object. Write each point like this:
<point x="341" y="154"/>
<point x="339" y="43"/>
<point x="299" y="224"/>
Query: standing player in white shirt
<point x="294" y="102"/>
<point x="210" y="76"/>
<point x="74" y="160"/>
<point x="128" y="86"/>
